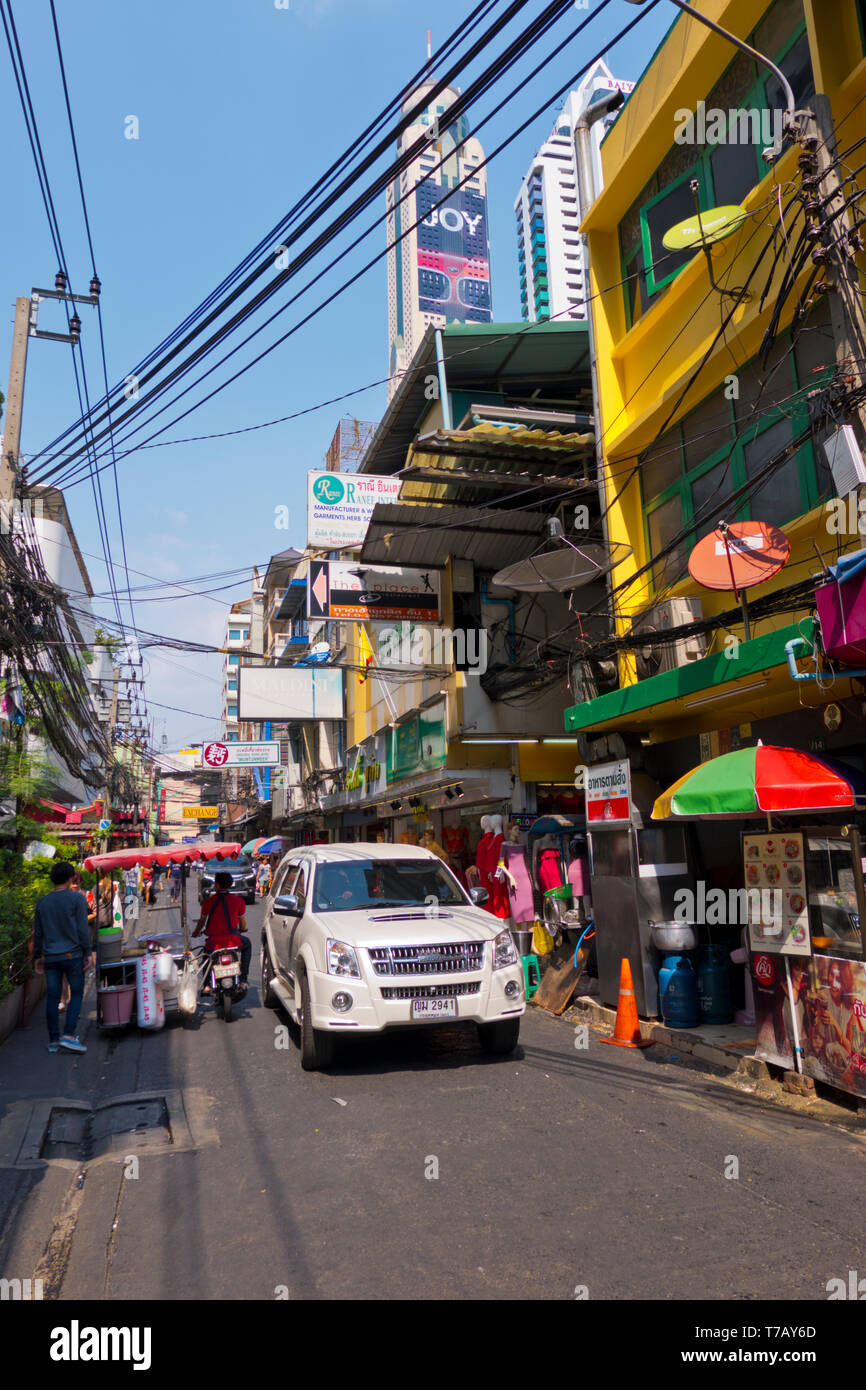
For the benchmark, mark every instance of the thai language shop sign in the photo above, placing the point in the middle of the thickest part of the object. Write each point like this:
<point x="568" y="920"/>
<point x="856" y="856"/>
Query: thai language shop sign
<point x="235" y="754"/>
<point x="339" y="506"/>
<point x="608" y="794"/>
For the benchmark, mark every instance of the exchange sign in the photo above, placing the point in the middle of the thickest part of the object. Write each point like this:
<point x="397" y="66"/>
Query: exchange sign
<point x="199" y="813"/>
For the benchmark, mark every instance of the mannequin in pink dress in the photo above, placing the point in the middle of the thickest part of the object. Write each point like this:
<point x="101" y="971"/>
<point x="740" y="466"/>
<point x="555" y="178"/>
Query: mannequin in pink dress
<point x="517" y="880"/>
<point x="496" y="887"/>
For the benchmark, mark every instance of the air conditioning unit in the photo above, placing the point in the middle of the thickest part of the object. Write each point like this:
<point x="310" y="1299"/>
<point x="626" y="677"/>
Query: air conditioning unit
<point x="845" y="459"/>
<point x="673" y="613"/>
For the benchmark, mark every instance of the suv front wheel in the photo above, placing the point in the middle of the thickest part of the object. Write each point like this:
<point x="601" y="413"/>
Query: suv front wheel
<point x="317" y="1048"/>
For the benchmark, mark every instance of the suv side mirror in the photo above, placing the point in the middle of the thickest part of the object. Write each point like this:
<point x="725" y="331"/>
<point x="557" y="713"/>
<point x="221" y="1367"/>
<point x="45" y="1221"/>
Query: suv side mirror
<point x="479" y="896"/>
<point x="287" y="905"/>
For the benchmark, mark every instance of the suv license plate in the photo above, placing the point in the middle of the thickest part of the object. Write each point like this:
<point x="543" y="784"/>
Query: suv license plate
<point x="221" y="972"/>
<point x="434" y="1008"/>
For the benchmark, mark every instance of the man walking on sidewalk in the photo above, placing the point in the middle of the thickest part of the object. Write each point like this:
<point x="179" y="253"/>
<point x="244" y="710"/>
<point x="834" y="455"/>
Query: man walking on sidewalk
<point x="61" y="950"/>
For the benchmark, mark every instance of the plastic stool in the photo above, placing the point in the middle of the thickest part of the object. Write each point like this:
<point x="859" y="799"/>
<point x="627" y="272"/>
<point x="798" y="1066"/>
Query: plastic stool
<point x="530" y="968"/>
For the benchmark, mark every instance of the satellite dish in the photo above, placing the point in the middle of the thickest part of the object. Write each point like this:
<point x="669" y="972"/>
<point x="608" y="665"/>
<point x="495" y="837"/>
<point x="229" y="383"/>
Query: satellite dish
<point x="739" y="555"/>
<point x="320" y="651"/>
<point x="562" y="570"/>
<point x="705" y="228"/>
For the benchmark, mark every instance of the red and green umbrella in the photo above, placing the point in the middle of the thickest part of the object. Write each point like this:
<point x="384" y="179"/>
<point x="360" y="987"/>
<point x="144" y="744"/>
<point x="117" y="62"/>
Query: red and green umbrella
<point x="760" y="781"/>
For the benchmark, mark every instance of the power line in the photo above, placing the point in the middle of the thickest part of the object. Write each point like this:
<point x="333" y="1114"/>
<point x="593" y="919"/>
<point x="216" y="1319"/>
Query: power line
<point x="347" y="284"/>
<point x="325" y="204"/>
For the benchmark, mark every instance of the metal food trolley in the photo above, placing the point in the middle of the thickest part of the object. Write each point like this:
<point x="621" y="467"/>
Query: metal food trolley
<point x="116" y="977"/>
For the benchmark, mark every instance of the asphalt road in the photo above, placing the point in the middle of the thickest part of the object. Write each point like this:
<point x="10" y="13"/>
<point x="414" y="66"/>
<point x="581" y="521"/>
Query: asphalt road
<point x="559" y="1170"/>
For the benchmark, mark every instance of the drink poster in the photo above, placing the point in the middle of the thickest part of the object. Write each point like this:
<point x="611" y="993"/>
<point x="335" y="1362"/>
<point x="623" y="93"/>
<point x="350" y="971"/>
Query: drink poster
<point x="775" y="876"/>
<point x="772" y="988"/>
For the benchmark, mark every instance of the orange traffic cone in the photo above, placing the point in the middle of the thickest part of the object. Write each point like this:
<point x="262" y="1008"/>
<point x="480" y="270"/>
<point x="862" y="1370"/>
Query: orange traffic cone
<point x="626" y="1032"/>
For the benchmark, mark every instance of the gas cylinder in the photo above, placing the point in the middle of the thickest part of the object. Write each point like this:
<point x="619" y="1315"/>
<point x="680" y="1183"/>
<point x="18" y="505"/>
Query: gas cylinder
<point x="151" y="1010"/>
<point x="714" y="986"/>
<point x="678" y="992"/>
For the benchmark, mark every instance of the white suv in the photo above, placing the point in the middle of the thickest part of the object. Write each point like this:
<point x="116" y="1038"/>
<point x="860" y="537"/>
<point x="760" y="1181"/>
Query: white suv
<point x="359" y="938"/>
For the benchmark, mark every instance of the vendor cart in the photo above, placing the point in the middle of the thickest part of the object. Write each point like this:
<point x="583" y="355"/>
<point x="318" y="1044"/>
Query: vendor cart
<point x="116" y="986"/>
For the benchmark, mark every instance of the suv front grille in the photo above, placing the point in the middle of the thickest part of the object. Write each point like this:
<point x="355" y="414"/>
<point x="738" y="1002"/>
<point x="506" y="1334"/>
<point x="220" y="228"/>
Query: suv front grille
<point x="458" y="989"/>
<point x="454" y="957"/>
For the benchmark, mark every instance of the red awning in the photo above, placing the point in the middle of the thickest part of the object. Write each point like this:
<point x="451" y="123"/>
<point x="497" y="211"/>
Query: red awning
<point x="162" y="854"/>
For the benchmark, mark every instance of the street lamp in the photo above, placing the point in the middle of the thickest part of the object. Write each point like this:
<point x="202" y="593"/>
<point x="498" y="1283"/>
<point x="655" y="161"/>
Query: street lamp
<point x="789" y="120"/>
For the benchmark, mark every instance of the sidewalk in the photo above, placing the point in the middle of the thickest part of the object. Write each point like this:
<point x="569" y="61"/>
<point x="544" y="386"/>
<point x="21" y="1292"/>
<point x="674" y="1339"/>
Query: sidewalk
<point x="721" y="1044"/>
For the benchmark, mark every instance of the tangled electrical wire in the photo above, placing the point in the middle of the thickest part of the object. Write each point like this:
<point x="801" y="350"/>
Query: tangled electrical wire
<point x="35" y="644"/>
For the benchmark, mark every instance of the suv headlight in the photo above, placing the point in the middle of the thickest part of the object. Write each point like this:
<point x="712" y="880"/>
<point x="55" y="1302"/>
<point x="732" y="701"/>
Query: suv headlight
<point x="504" y="952"/>
<point x="342" y="959"/>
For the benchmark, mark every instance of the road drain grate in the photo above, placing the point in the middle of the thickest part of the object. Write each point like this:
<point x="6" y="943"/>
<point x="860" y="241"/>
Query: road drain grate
<point x="123" y="1126"/>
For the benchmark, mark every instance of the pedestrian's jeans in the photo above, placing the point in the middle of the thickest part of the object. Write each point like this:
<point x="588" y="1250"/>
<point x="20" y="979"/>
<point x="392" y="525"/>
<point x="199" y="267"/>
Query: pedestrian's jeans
<point x="73" y="969"/>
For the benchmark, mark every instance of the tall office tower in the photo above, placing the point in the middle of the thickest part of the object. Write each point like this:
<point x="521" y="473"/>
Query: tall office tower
<point x="440" y="272"/>
<point x="550" y="206"/>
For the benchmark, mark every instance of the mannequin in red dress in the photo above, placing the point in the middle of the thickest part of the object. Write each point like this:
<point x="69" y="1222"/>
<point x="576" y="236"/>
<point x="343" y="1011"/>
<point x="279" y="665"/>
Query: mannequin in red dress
<point x="482" y="858"/>
<point x="497" y="888"/>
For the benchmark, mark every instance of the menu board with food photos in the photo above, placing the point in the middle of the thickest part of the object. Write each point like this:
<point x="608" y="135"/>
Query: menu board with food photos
<point x="774" y="865"/>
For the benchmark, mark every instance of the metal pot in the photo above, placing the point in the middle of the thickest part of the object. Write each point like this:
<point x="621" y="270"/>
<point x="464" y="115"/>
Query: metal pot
<point x="522" y="940"/>
<point x="674" y="936"/>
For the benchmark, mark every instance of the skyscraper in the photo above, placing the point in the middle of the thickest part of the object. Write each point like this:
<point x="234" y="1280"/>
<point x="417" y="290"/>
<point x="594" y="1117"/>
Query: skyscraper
<point x="550" y="206"/>
<point x="440" y="272"/>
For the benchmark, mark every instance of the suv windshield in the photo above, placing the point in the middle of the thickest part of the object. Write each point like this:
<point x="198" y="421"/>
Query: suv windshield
<point x="365" y="883"/>
<point x="236" y="865"/>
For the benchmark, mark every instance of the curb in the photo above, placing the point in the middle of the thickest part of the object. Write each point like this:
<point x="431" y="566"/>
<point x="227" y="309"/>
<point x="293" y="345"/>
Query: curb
<point x="686" y="1044"/>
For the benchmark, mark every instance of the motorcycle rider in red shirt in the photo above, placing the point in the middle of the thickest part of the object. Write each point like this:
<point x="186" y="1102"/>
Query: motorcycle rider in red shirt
<point x="223" y="918"/>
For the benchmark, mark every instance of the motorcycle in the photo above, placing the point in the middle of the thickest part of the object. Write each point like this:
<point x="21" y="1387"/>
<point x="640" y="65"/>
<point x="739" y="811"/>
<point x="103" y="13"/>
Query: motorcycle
<point x="223" y="974"/>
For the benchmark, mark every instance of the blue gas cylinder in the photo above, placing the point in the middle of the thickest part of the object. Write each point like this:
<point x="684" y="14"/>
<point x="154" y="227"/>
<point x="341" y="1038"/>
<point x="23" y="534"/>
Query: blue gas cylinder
<point x="669" y="965"/>
<point x="678" y="992"/>
<point x="714" y="986"/>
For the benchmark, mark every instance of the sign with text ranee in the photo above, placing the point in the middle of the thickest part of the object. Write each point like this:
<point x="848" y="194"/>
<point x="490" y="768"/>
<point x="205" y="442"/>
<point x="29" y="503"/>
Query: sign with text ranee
<point x="339" y="506"/>
<point x="608" y="794"/>
<point x="358" y="593"/>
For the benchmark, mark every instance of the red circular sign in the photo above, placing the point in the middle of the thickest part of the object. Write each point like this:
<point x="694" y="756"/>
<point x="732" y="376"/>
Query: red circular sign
<point x="764" y="969"/>
<point x="215" y="754"/>
<point x="745" y="554"/>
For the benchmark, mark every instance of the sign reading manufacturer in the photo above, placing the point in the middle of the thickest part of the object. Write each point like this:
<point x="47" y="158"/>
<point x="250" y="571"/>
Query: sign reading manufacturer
<point x="345" y="589"/>
<point x="608" y="794"/>
<point x="339" y="506"/>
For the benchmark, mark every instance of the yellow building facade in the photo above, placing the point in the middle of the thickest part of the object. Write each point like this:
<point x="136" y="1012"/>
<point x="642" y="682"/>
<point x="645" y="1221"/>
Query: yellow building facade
<point x="698" y="424"/>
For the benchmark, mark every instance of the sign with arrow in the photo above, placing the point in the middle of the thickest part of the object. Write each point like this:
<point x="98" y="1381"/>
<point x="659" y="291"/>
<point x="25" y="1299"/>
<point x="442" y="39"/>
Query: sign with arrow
<point x="348" y="590"/>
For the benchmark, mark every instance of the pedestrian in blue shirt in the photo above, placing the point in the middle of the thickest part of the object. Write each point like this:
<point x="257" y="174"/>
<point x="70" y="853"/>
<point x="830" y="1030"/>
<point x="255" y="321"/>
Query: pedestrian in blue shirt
<point x="61" y="950"/>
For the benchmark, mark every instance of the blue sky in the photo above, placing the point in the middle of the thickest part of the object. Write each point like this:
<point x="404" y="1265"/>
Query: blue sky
<point x="241" y="106"/>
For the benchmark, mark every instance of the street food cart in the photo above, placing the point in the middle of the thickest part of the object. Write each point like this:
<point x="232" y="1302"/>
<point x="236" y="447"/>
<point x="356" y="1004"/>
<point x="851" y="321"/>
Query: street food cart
<point x="118" y="969"/>
<point x="803" y="872"/>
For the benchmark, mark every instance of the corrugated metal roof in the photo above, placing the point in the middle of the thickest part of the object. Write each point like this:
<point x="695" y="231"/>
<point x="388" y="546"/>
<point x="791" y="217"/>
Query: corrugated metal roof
<point x="513" y="358"/>
<point x="423" y="536"/>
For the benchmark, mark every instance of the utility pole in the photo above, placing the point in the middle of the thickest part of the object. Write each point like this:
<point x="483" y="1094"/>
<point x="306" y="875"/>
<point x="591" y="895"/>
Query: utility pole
<point x="112" y="725"/>
<point x="14" y="404"/>
<point x="830" y="222"/>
